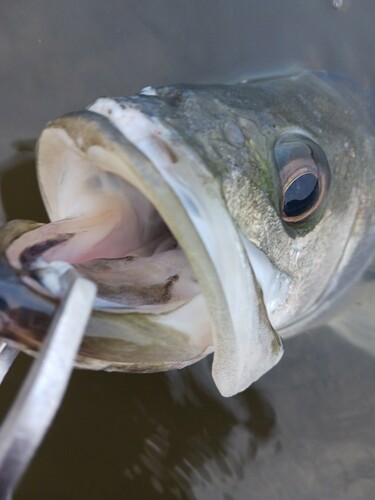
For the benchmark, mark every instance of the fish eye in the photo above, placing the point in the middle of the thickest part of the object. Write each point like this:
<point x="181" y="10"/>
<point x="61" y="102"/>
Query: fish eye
<point x="304" y="175"/>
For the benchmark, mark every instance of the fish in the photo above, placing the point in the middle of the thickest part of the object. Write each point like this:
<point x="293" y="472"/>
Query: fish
<point x="213" y="218"/>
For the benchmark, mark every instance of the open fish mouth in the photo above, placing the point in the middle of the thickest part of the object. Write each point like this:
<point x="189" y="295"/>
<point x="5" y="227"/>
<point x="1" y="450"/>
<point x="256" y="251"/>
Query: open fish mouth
<point x="133" y="208"/>
<point x="113" y="235"/>
<point x="205" y="214"/>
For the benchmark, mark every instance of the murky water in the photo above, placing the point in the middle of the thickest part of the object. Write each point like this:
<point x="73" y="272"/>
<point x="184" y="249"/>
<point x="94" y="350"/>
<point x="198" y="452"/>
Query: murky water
<point x="305" y="430"/>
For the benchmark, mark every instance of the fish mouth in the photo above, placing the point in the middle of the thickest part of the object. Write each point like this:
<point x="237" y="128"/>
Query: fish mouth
<point x="112" y="234"/>
<point x="134" y="208"/>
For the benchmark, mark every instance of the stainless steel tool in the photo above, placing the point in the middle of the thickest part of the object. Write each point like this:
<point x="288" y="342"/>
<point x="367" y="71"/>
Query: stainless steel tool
<point x="40" y="395"/>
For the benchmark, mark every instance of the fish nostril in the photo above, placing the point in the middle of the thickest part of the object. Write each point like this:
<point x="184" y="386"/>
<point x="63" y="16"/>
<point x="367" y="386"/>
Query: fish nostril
<point x="233" y="134"/>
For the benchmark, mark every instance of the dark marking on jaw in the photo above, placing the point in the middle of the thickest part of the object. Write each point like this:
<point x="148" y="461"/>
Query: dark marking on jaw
<point x="108" y="260"/>
<point x="111" y="264"/>
<point x="28" y="256"/>
<point x="172" y="279"/>
<point x="134" y="296"/>
<point x="169" y="284"/>
<point x="129" y="258"/>
<point x="168" y="150"/>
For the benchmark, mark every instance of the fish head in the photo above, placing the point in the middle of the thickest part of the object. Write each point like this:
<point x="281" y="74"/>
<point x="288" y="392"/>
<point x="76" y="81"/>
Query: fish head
<point x="296" y="157"/>
<point x="212" y="218"/>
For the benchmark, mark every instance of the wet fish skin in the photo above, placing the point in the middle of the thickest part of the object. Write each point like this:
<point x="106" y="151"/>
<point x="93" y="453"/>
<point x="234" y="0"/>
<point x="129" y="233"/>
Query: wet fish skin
<point x="232" y="131"/>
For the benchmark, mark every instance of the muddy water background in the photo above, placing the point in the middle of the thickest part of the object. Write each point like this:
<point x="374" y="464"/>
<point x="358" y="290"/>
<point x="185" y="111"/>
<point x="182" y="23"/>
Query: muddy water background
<point x="305" y="430"/>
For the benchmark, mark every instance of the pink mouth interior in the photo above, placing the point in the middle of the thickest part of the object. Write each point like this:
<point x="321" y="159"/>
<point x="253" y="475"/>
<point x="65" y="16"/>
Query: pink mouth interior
<point x="123" y="245"/>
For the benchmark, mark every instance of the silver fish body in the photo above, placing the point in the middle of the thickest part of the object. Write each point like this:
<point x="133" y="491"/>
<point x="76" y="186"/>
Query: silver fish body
<point x="213" y="218"/>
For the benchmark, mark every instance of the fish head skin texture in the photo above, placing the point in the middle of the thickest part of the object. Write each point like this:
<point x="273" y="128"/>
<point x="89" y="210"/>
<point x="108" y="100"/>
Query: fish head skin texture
<point x="249" y="136"/>
<point x="266" y="191"/>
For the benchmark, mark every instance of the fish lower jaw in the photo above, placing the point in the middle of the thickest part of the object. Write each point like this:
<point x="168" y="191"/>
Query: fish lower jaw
<point x="108" y="231"/>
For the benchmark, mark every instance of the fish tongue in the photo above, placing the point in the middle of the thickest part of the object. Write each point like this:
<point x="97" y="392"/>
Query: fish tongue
<point x="245" y="344"/>
<point x="69" y="240"/>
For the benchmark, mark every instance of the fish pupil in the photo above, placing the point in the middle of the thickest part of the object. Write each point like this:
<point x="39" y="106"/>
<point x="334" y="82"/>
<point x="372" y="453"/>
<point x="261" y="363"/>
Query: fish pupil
<point x="301" y="195"/>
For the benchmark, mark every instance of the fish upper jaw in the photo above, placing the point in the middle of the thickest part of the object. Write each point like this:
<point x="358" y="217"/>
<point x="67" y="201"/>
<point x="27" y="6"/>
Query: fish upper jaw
<point x="245" y="344"/>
